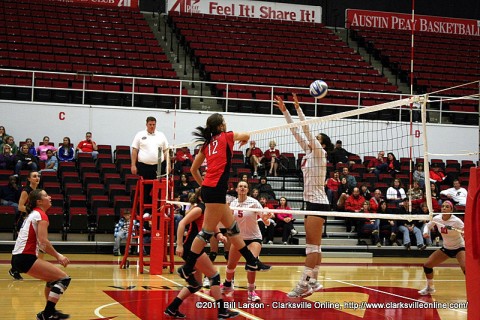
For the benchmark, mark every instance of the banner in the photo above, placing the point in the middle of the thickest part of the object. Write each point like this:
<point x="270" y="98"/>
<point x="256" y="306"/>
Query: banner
<point x="400" y="21"/>
<point x="250" y="9"/>
<point x="105" y="3"/>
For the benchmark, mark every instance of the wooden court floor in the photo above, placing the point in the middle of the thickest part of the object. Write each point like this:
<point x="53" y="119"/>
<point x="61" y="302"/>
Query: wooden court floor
<point x="378" y="288"/>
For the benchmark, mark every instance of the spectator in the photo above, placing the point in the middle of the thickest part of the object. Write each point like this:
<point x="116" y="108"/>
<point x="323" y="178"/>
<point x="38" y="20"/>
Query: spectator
<point x="436" y="174"/>
<point x="368" y="225"/>
<point x="436" y="201"/>
<point x="7" y="159"/>
<point x="457" y="194"/>
<point x="3" y="135"/>
<point x="415" y="194"/>
<point x="11" y="142"/>
<point x="396" y="194"/>
<point x="265" y="188"/>
<point x="244" y="177"/>
<point x="255" y="194"/>
<point x="42" y="149"/>
<point x="375" y="163"/>
<point x="184" y="187"/>
<point x="392" y="166"/>
<point x="31" y="147"/>
<point x="25" y="160"/>
<point x="387" y="227"/>
<point x="183" y="158"/>
<point x="121" y="231"/>
<point x="406" y="227"/>
<point x="267" y="227"/>
<point x="88" y="146"/>
<point x="344" y="191"/>
<point x="272" y="157"/>
<point x="285" y="221"/>
<point x="65" y="152"/>
<point x="10" y="194"/>
<point x="419" y="175"/>
<point x="254" y="157"/>
<point x="352" y="182"/>
<point x="340" y="155"/>
<point x="365" y="192"/>
<point x="375" y="200"/>
<point x="52" y="162"/>
<point x="354" y="203"/>
<point x="332" y="188"/>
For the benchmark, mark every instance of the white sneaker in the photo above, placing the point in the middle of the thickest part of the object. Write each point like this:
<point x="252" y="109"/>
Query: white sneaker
<point x="293" y="232"/>
<point x="253" y="297"/>
<point x="270" y="242"/>
<point x="315" y="286"/>
<point x="226" y="290"/>
<point x="426" y="291"/>
<point x="300" y="291"/>
<point x="206" y="282"/>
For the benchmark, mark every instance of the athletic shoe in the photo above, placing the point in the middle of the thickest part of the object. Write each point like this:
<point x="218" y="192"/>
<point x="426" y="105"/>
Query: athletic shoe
<point x="300" y="291"/>
<point x="253" y="297"/>
<point x="259" y="266"/>
<point x="422" y="247"/>
<point x="189" y="277"/>
<point x="227" y="289"/>
<point x="206" y="282"/>
<point x="270" y="242"/>
<point x="426" y="291"/>
<point x="379" y="244"/>
<point x="61" y="315"/>
<point x="293" y="232"/>
<point x="41" y="316"/>
<point x="174" y="314"/>
<point x="407" y="246"/>
<point x="227" y="314"/>
<point x="15" y="274"/>
<point x="315" y="286"/>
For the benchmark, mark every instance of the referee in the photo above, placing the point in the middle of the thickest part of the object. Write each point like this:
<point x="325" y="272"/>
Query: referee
<point x="146" y="157"/>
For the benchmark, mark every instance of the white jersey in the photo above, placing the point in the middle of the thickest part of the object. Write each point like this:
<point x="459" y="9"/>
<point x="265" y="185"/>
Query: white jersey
<point x="314" y="170"/>
<point x="451" y="239"/>
<point x="26" y="242"/>
<point x="247" y="220"/>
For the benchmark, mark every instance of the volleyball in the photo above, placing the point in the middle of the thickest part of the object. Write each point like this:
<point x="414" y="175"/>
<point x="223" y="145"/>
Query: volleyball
<point x="318" y="89"/>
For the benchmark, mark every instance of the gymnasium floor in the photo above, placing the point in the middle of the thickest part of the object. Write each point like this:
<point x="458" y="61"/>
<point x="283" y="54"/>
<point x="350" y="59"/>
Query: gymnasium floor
<point x="100" y="290"/>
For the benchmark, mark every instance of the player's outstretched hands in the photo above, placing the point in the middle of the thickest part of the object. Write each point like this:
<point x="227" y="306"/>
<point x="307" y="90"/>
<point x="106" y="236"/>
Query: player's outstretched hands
<point x="279" y="103"/>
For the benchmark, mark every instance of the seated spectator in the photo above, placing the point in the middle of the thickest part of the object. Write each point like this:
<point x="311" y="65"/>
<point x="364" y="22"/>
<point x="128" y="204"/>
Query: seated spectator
<point x="179" y="210"/>
<point x="42" y="149"/>
<point x="267" y="227"/>
<point x="285" y="221"/>
<point x="88" y="146"/>
<point x="376" y="163"/>
<point x="368" y="225"/>
<point x="396" y="194"/>
<point x="388" y="228"/>
<point x="392" y="166"/>
<point x="415" y="194"/>
<point x="183" y="158"/>
<point x="255" y="194"/>
<point x="254" y="157"/>
<point x="332" y="189"/>
<point x="340" y="155"/>
<point x="419" y="175"/>
<point x="265" y="188"/>
<point x="344" y="191"/>
<point x="183" y="187"/>
<point x="406" y="227"/>
<point x="10" y="194"/>
<point x="31" y="147"/>
<point x="352" y="182"/>
<point x="354" y="203"/>
<point x="457" y="194"/>
<point x="7" y="159"/>
<point x="375" y="200"/>
<point x="3" y="135"/>
<point x="244" y="177"/>
<point x="436" y="201"/>
<point x="121" y="231"/>
<point x="65" y="152"/>
<point x="433" y="233"/>
<point x="365" y="192"/>
<point x="25" y="161"/>
<point x="436" y="174"/>
<point x="272" y="157"/>
<point x="52" y="162"/>
<point x="11" y="142"/>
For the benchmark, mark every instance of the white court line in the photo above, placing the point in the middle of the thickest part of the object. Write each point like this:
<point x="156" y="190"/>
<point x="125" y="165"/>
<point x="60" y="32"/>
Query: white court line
<point x="387" y="293"/>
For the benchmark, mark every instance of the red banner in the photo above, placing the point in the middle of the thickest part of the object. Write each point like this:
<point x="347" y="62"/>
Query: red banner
<point x="400" y="21"/>
<point x="106" y="3"/>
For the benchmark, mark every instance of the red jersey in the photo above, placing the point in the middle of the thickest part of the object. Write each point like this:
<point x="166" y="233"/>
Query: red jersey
<point x="255" y="152"/>
<point x="218" y="154"/>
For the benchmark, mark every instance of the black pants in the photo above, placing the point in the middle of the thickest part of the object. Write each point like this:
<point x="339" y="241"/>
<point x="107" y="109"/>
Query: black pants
<point x="148" y="172"/>
<point x="267" y="231"/>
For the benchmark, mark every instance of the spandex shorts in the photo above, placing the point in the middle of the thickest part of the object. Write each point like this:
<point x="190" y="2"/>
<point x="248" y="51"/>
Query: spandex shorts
<point x="317" y="207"/>
<point x="247" y="242"/>
<point x="216" y="194"/>
<point x="23" y="262"/>
<point x="452" y="253"/>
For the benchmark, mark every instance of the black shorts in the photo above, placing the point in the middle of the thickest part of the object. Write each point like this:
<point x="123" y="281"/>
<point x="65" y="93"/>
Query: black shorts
<point x="214" y="194"/>
<point x="317" y="207"/>
<point x="247" y="242"/>
<point x="452" y="253"/>
<point x="223" y="231"/>
<point x="23" y="262"/>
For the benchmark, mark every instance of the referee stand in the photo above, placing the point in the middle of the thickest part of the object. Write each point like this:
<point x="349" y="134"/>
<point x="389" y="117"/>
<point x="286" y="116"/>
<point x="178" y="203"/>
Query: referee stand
<point x="162" y="251"/>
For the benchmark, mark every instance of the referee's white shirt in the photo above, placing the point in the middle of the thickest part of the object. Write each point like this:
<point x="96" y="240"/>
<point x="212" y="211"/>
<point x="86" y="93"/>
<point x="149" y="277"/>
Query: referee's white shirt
<point x="148" y="144"/>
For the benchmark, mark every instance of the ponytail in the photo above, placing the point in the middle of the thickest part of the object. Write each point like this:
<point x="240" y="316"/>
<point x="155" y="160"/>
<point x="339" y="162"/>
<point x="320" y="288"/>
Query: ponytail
<point x="205" y="134"/>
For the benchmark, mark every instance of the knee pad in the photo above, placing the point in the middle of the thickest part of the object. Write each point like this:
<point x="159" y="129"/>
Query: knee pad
<point x="193" y="289"/>
<point x="233" y="230"/>
<point x="427" y="270"/>
<point x="205" y="235"/>
<point x="312" y="248"/>
<point x="215" y="280"/>
<point x="225" y="255"/>
<point x="58" y="287"/>
<point x="212" y="256"/>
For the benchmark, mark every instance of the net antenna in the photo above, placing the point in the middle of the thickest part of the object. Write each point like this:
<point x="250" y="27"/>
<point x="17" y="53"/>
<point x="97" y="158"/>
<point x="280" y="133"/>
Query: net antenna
<point x="426" y="162"/>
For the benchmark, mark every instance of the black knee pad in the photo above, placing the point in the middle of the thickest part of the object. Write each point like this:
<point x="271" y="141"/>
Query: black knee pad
<point x="193" y="289"/>
<point x="65" y="282"/>
<point x="205" y="235"/>
<point x="233" y="230"/>
<point x="427" y="270"/>
<point x="225" y="255"/>
<point x="215" y="280"/>
<point x="212" y="256"/>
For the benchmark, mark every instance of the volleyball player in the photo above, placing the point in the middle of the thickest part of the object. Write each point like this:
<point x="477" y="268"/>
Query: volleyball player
<point x="250" y="232"/>
<point x="314" y="168"/>
<point x="453" y="244"/>
<point x="33" y="237"/>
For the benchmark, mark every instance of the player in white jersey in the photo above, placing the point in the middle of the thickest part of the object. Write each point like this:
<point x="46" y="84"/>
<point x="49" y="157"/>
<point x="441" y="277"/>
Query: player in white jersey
<point x="453" y="244"/>
<point x="250" y="232"/>
<point x="32" y="238"/>
<point x="314" y="168"/>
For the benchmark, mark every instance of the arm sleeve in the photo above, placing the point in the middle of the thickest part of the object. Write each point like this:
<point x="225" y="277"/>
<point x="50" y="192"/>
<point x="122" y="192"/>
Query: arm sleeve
<point x="301" y="141"/>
